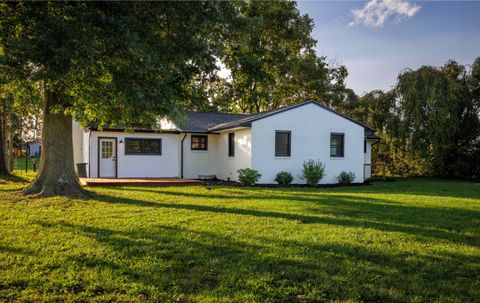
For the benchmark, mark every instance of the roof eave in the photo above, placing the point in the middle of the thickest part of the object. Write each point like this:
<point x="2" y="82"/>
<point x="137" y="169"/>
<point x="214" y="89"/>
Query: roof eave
<point x="372" y="137"/>
<point x="135" y="130"/>
<point x="220" y="129"/>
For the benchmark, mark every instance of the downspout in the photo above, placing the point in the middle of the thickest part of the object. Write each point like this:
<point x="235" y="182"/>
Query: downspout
<point x="181" y="156"/>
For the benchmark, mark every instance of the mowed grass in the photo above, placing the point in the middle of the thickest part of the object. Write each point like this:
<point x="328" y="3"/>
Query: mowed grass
<point x="20" y="164"/>
<point x="408" y="241"/>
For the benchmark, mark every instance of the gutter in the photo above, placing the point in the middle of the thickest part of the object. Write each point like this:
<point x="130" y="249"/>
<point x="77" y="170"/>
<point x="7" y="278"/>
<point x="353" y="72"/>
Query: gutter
<point x="137" y="130"/>
<point x="181" y="155"/>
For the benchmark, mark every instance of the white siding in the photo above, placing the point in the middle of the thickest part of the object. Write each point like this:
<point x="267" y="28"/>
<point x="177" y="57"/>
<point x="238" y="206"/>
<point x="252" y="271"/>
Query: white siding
<point x="227" y="166"/>
<point x="199" y="162"/>
<point x="310" y="127"/>
<point x="140" y="166"/>
<point x="86" y="149"/>
<point x="77" y="141"/>
<point x="214" y="161"/>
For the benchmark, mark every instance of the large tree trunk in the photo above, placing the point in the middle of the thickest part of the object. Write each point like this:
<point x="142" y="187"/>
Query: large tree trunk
<point x="4" y="159"/>
<point x="56" y="175"/>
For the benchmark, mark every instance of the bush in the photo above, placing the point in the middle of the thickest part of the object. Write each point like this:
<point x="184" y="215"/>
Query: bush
<point x="313" y="172"/>
<point x="248" y="176"/>
<point x="346" y="178"/>
<point x="284" y="178"/>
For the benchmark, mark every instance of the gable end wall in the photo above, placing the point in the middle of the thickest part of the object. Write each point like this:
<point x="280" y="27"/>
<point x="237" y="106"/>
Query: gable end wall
<point x="310" y="127"/>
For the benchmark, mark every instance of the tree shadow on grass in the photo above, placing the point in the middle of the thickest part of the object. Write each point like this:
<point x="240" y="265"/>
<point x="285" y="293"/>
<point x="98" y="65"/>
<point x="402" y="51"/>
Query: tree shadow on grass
<point x="452" y="219"/>
<point x="257" y="196"/>
<point x="440" y="188"/>
<point x="440" y="223"/>
<point x="291" y="194"/>
<point x="13" y="178"/>
<point x="15" y="250"/>
<point x="170" y="260"/>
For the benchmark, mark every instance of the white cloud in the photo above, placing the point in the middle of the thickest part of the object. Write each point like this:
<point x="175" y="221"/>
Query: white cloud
<point x="376" y="12"/>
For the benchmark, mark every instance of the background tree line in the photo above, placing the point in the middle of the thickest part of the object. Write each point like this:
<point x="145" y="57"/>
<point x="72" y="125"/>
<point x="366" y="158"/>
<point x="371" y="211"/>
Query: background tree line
<point x="127" y="63"/>
<point x="429" y="122"/>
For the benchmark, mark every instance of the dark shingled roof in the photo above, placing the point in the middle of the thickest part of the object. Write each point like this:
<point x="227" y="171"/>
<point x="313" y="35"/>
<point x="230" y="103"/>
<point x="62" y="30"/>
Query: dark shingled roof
<point x="200" y="122"/>
<point x="207" y="122"/>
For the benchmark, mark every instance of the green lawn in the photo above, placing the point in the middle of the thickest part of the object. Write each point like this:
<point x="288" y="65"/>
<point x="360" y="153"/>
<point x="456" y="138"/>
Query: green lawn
<point x="407" y="241"/>
<point x="20" y="163"/>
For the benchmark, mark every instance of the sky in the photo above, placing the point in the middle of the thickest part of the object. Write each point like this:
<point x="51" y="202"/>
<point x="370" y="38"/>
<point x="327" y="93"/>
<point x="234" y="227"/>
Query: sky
<point x="377" y="39"/>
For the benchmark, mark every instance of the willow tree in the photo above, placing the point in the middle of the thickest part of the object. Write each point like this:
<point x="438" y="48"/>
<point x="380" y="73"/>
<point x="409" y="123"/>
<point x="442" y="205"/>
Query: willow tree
<point x="440" y="117"/>
<point x="105" y="62"/>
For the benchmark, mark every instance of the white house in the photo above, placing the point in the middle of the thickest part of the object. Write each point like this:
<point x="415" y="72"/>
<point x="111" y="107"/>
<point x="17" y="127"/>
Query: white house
<point x="218" y="144"/>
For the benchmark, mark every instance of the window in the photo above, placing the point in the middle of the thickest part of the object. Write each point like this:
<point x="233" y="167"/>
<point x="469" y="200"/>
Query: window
<point x="152" y="147"/>
<point x="337" y="145"/>
<point x="199" y="142"/>
<point x="282" y="143"/>
<point x="143" y="146"/>
<point x="107" y="149"/>
<point x="365" y="146"/>
<point x="231" y="144"/>
<point x="133" y="146"/>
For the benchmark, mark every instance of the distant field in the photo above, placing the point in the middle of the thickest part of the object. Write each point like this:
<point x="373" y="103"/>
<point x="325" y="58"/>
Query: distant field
<point x="408" y="241"/>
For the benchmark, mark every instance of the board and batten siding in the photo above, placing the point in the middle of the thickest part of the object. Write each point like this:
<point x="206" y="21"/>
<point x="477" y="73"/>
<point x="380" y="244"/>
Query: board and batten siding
<point x="310" y="126"/>
<point x="139" y="166"/>
<point x="227" y="166"/>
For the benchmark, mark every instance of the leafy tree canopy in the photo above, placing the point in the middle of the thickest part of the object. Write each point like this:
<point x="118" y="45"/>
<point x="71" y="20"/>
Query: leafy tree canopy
<point x="112" y="62"/>
<point x="429" y="123"/>
<point x="272" y="61"/>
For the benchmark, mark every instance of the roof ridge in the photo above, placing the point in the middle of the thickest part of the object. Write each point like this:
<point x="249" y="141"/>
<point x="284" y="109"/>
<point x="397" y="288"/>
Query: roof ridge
<point x="223" y="113"/>
<point x="279" y="110"/>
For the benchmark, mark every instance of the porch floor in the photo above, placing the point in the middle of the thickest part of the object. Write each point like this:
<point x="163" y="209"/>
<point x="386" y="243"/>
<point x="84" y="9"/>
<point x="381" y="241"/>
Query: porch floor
<point x="139" y="182"/>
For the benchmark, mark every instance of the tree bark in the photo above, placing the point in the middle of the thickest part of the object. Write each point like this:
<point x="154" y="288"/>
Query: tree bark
<point x="4" y="159"/>
<point x="56" y="175"/>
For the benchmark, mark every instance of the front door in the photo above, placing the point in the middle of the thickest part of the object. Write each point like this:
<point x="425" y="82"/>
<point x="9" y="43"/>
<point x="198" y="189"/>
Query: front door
<point x="107" y="161"/>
